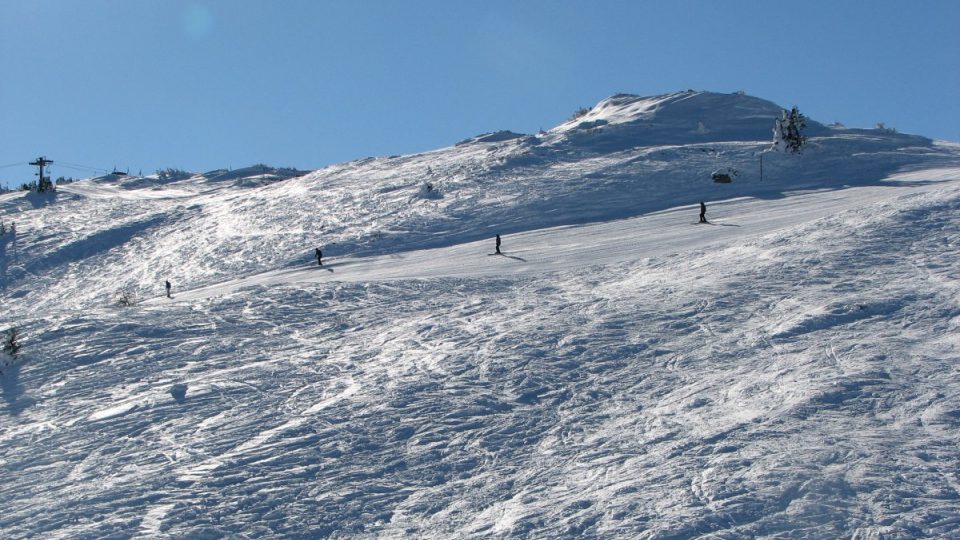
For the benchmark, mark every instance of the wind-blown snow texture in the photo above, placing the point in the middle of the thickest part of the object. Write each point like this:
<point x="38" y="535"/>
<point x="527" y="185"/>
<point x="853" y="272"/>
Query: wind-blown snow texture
<point x="788" y="371"/>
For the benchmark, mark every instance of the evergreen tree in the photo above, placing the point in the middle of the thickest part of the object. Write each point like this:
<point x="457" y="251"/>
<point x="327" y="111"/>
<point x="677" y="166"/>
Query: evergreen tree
<point x="788" y="131"/>
<point x="45" y="184"/>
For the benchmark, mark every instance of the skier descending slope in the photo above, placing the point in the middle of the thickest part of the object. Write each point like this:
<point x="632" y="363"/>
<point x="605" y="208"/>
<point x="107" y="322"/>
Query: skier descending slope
<point x="498" y="244"/>
<point x="319" y="257"/>
<point x="703" y="212"/>
<point x="168" y="289"/>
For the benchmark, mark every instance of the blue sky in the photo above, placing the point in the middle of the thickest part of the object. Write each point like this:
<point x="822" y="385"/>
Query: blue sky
<point x="142" y="85"/>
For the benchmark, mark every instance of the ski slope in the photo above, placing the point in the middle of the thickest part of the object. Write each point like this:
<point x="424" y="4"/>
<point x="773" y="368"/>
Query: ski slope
<point x="787" y="371"/>
<point x="657" y="234"/>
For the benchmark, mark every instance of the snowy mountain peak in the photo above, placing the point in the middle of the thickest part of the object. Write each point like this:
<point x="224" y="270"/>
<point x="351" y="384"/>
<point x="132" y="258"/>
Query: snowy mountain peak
<point x="677" y="118"/>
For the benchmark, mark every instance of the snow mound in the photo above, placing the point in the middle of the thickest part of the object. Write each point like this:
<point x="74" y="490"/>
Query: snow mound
<point x="495" y="137"/>
<point x="254" y="175"/>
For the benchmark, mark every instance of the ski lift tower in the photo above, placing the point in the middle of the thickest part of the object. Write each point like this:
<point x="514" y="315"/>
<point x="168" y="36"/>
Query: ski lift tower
<point x="43" y="183"/>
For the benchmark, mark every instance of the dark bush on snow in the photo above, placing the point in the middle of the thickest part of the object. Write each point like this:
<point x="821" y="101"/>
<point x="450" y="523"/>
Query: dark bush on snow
<point x="11" y="342"/>
<point x="580" y="113"/>
<point x="171" y="174"/>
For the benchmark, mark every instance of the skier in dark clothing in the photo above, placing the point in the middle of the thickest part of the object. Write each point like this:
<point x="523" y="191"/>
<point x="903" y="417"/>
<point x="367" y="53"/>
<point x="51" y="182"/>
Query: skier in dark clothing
<point x="168" y="289"/>
<point x="498" y="244"/>
<point x="319" y="257"/>
<point x="703" y="212"/>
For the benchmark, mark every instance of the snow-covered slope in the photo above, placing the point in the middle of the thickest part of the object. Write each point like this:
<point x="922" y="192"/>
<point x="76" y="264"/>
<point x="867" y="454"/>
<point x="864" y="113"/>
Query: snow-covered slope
<point x="788" y="370"/>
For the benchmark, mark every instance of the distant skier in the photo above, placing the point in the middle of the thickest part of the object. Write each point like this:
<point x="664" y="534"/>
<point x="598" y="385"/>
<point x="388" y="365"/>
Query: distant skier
<point x="498" y="245"/>
<point x="703" y="212"/>
<point x="319" y="257"/>
<point x="168" y="290"/>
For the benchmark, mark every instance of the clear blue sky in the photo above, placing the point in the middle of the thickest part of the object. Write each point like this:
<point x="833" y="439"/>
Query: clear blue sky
<point x="200" y="85"/>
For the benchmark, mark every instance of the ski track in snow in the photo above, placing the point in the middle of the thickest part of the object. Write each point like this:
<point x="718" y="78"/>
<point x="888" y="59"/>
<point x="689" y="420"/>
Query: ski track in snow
<point x="558" y="249"/>
<point x="789" y="371"/>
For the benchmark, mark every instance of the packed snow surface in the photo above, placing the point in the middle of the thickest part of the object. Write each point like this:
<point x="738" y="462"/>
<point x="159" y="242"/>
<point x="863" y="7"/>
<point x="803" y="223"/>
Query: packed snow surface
<point x="787" y="370"/>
